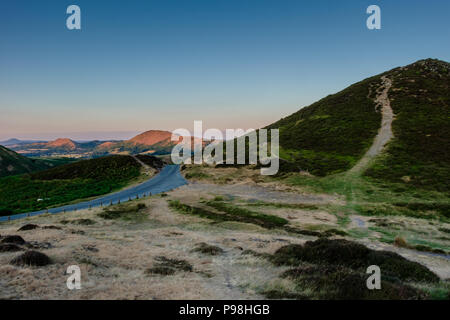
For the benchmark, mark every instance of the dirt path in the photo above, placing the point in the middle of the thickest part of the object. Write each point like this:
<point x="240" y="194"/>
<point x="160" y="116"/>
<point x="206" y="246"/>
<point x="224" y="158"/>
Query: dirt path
<point x="385" y="132"/>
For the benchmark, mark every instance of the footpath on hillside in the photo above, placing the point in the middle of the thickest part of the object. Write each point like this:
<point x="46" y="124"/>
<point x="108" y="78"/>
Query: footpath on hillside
<point x="385" y="132"/>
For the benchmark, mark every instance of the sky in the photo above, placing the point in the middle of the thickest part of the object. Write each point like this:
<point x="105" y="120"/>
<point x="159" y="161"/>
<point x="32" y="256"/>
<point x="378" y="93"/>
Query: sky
<point x="142" y="65"/>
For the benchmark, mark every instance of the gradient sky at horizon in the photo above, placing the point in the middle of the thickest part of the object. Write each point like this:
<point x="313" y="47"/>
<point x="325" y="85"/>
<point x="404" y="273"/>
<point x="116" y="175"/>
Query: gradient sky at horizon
<point x="141" y="65"/>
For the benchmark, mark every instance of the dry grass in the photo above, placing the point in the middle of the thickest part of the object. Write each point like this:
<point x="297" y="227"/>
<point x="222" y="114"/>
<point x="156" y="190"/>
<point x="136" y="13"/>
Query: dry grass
<point x="114" y="254"/>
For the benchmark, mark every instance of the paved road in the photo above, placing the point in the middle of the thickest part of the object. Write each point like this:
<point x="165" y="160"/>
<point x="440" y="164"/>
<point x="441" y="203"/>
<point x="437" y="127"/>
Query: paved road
<point x="168" y="179"/>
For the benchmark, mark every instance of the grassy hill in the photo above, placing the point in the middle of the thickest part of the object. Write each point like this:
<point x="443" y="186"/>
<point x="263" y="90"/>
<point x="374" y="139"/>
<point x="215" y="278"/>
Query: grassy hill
<point x="63" y="184"/>
<point x="331" y="135"/>
<point x="12" y="163"/>
<point x="419" y="155"/>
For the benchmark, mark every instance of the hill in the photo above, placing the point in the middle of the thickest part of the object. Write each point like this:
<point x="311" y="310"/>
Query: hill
<point x="10" y="142"/>
<point x="152" y="137"/>
<point x="331" y="135"/>
<point x="62" y="143"/>
<point x="13" y="142"/>
<point x="419" y="154"/>
<point x="70" y="182"/>
<point x="156" y="142"/>
<point x="58" y="147"/>
<point x="12" y="163"/>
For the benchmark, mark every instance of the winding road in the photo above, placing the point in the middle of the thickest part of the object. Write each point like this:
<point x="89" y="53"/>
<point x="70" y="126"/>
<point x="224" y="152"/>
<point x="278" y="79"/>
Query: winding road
<point x="168" y="179"/>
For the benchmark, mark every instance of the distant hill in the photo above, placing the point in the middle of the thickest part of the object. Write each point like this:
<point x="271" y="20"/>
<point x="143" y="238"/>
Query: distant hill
<point x="12" y="163"/>
<point x="10" y="142"/>
<point x="63" y="143"/>
<point x="331" y="135"/>
<point x="13" y="141"/>
<point x="152" y="137"/>
<point x="156" y="142"/>
<point x="58" y="147"/>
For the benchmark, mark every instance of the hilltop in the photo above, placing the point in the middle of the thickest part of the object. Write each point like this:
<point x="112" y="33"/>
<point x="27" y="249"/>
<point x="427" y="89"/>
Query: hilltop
<point x="152" y="137"/>
<point x="156" y="142"/>
<point x="63" y="143"/>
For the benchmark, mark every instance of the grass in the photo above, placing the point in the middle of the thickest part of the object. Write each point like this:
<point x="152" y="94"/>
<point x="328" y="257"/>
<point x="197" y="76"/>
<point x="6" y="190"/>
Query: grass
<point x="82" y="222"/>
<point x="165" y="266"/>
<point x="264" y="220"/>
<point x="126" y="212"/>
<point x="279" y="205"/>
<point x="224" y="212"/>
<point x="12" y="163"/>
<point x="340" y="283"/>
<point x="420" y="153"/>
<point x="336" y="269"/>
<point x="330" y="135"/>
<point x="208" y="249"/>
<point x="229" y="213"/>
<point x="66" y="183"/>
<point x="354" y="256"/>
<point x="197" y="175"/>
<point x="371" y="197"/>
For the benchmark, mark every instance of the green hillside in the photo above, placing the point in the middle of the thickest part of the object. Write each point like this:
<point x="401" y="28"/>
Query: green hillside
<point x="12" y="163"/>
<point x="330" y="135"/>
<point x="132" y="148"/>
<point x="78" y="180"/>
<point x="419" y="155"/>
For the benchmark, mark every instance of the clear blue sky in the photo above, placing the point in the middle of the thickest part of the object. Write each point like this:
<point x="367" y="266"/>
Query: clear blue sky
<point x="140" y="65"/>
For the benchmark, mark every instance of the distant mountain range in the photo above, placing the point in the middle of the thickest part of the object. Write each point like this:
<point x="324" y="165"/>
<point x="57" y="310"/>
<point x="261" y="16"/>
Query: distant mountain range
<point x="14" y="141"/>
<point x="154" y="142"/>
